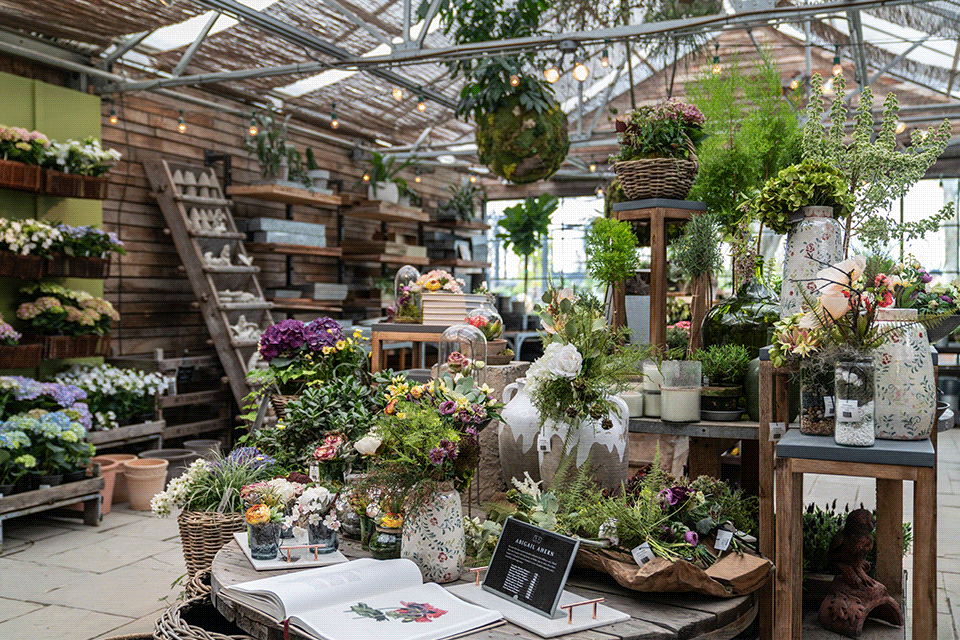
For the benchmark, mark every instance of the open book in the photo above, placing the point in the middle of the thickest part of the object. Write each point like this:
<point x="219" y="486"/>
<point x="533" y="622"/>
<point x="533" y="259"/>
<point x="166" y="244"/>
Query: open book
<point x="363" y="598"/>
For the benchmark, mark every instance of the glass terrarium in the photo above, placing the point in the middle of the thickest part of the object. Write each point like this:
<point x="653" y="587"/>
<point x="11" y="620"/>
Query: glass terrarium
<point x="463" y="349"/>
<point x="490" y="324"/>
<point x="409" y="303"/>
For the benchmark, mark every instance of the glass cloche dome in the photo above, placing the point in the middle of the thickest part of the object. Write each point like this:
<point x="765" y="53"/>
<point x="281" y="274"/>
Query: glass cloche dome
<point x="487" y="320"/>
<point x="463" y="349"/>
<point x="409" y="304"/>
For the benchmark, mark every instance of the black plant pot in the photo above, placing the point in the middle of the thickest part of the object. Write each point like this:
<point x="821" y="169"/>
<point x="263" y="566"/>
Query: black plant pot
<point x="52" y="480"/>
<point x="7" y="489"/>
<point x="75" y="476"/>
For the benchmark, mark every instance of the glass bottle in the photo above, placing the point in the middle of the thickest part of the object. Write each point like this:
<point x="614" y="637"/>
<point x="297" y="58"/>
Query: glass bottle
<point x="854" y="393"/>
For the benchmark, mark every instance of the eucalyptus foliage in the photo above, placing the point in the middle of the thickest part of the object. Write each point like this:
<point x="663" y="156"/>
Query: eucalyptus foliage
<point x="877" y="168"/>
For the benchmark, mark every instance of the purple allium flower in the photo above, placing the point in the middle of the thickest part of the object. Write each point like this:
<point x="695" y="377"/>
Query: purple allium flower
<point x="282" y="338"/>
<point x="437" y="456"/>
<point x="946" y="299"/>
<point x="691" y="538"/>
<point x="447" y="407"/>
<point x="323" y="332"/>
<point x="449" y="448"/>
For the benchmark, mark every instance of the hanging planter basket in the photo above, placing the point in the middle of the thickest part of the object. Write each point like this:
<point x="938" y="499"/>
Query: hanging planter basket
<point x="59" y="265"/>
<point x="14" y="265"/>
<point x="57" y="347"/>
<point x="20" y="176"/>
<point x="68" y="185"/>
<point x="522" y="145"/>
<point x="648" y="178"/>
<point x="21" y="356"/>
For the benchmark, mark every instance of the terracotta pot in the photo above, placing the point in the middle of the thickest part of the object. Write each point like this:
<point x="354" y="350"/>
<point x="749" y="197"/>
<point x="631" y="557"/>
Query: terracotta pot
<point x="179" y="460"/>
<point x="146" y="477"/>
<point x="121" y="493"/>
<point x="204" y="448"/>
<point x="109" y="468"/>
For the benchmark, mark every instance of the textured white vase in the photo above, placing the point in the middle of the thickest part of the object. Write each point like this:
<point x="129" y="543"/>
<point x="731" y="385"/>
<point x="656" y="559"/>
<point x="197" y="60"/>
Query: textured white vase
<point x="517" y="437"/>
<point x="608" y="449"/>
<point x="433" y="536"/>
<point x="906" y="396"/>
<point x="813" y="244"/>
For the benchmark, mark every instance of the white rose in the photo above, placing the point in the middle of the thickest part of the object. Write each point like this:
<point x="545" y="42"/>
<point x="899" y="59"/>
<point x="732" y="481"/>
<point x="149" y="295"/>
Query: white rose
<point x="367" y="445"/>
<point x="566" y="362"/>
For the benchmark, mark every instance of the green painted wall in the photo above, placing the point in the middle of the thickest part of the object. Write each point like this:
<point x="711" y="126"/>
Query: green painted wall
<point x="61" y="114"/>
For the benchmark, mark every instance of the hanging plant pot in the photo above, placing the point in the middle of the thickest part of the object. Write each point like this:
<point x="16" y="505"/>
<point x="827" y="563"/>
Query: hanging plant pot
<point x="21" y="176"/>
<point x="522" y="145"/>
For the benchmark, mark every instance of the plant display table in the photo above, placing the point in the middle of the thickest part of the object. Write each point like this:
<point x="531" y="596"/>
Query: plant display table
<point x="86" y="491"/>
<point x="666" y="617"/>
<point x="891" y="462"/>
<point x="391" y="332"/>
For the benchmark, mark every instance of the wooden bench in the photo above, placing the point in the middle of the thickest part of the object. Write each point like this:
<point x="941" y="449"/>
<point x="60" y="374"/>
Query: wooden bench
<point x="85" y="491"/>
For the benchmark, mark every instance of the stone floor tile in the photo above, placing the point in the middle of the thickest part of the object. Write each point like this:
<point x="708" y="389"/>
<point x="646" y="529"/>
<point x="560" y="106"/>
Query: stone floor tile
<point x="132" y="591"/>
<point x="141" y="625"/>
<point x="61" y="623"/>
<point x="30" y="581"/>
<point x="151" y="528"/>
<point x="41" y="550"/>
<point x="109" y="553"/>
<point x="31" y="528"/>
<point x="10" y="609"/>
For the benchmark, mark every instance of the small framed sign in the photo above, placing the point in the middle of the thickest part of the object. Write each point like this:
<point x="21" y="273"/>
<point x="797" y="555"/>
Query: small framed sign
<point x="530" y="566"/>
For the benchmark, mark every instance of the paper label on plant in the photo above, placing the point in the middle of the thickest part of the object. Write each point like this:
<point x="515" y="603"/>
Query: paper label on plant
<point x="828" y="410"/>
<point x="777" y="430"/>
<point x="642" y="554"/>
<point x="724" y="538"/>
<point x="848" y="411"/>
<point x="314" y="472"/>
<point x="543" y="443"/>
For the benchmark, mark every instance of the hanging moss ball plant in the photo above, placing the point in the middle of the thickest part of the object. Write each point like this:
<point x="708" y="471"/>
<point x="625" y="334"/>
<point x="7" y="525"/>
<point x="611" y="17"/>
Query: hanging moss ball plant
<point x="520" y="144"/>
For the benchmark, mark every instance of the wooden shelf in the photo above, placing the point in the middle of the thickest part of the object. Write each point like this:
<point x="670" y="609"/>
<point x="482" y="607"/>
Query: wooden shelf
<point x="215" y="235"/>
<point x="124" y="435"/>
<point x="458" y="225"/>
<point x="234" y="268"/>
<point x="306" y="304"/>
<point x="384" y="258"/>
<point x="463" y="264"/>
<point x="243" y="344"/>
<point x="284" y="194"/>
<point x="293" y="249"/>
<point x="386" y="212"/>
<point x="194" y="428"/>
<point x="187" y="399"/>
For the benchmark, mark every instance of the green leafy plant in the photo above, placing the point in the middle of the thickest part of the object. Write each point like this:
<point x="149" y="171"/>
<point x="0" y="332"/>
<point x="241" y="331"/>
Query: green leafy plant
<point x="524" y="227"/>
<point x="386" y="169"/>
<point x="611" y="250"/>
<point x="751" y="132"/>
<point x="270" y="143"/>
<point x="311" y="160"/>
<point x="697" y="255"/>
<point x="809" y="183"/>
<point x="724" y="364"/>
<point x="463" y="200"/>
<point x="877" y="169"/>
<point x="663" y="130"/>
<point x="820" y="525"/>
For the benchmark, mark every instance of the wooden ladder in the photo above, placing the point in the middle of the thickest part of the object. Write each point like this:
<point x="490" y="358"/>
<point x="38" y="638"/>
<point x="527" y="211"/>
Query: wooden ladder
<point x="179" y="190"/>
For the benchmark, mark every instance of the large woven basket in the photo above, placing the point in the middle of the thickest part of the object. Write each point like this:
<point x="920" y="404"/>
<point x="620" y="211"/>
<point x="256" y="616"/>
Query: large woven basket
<point x="195" y="619"/>
<point x="203" y="534"/>
<point x="199" y="585"/>
<point x="669" y="178"/>
<point x="279" y="404"/>
<point x="21" y="176"/>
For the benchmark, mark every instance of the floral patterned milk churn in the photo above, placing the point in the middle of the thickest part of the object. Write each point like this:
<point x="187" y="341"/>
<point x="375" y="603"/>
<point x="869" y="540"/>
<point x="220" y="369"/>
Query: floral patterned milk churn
<point x="433" y="536"/>
<point x="812" y="243"/>
<point x="519" y="429"/>
<point x="906" y="395"/>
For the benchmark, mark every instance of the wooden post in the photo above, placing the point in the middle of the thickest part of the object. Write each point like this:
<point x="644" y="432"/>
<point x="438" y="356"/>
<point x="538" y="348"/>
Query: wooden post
<point x="618" y="304"/>
<point x="765" y="491"/>
<point x="924" y="609"/>
<point x="788" y="570"/>
<point x="890" y="536"/>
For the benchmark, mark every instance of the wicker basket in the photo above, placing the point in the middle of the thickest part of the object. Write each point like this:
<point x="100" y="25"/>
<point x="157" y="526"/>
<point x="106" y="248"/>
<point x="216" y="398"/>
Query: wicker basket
<point x="203" y="534"/>
<point x="59" y="265"/>
<point x="58" y="183"/>
<point x="195" y="619"/>
<point x="20" y="176"/>
<point x="199" y="585"/>
<point x="56" y="347"/>
<point x="279" y="404"/>
<point x="95" y="188"/>
<point x="14" y="265"/>
<point x="649" y="178"/>
<point x="21" y="356"/>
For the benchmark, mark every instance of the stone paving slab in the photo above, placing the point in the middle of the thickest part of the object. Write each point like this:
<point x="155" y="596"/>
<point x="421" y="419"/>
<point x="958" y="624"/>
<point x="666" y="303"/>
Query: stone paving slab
<point x="60" y="623"/>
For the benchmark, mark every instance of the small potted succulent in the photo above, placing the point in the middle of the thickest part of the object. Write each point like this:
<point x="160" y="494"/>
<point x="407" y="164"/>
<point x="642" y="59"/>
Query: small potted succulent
<point x="724" y="367"/>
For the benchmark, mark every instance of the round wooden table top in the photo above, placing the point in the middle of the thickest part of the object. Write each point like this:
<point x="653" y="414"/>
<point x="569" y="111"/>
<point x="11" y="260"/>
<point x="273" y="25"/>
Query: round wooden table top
<point x="654" y="617"/>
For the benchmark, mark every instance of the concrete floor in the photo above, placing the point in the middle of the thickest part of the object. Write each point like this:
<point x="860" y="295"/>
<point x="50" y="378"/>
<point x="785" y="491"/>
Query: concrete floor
<point x="61" y="580"/>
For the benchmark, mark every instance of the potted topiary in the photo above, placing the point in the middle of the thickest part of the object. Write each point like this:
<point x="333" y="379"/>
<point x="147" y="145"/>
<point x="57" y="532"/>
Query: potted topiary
<point x="724" y="368"/>
<point x="657" y="157"/>
<point x="612" y="258"/>
<point x="521" y="128"/>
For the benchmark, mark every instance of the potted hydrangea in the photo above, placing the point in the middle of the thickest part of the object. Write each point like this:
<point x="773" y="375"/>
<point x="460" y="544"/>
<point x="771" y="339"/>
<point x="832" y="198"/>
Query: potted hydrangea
<point x="73" y="324"/>
<point x="21" y="153"/>
<point x="76" y="168"/>
<point x="116" y="397"/>
<point x="83" y="252"/>
<point x="23" y="246"/>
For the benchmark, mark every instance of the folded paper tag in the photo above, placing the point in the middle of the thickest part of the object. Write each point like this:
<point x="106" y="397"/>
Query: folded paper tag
<point x="642" y="554"/>
<point x="723" y="540"/>
<point x="543" y="443"/>
<point x="848" y="411"/>
<point x="828" y="411"/>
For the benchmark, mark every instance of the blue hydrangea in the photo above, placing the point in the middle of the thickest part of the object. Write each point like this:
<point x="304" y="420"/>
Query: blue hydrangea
<point x="13" y="440"/>
<point x="65" y="395"/>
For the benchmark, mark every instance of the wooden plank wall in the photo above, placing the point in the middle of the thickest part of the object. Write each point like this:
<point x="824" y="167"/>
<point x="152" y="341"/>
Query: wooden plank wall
<point x="153" y="298"/>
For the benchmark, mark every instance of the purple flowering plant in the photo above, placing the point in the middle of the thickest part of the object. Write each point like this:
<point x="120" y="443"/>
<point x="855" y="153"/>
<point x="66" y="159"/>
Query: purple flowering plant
<point x="88" y="241"/>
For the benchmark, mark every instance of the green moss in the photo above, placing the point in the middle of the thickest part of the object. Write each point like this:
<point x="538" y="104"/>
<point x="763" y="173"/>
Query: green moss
<point x="522" y="145"/>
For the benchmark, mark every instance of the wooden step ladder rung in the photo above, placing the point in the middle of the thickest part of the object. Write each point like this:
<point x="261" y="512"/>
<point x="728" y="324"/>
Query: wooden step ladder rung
<point x="256" y="305"/>
<point x="232" y="269"/>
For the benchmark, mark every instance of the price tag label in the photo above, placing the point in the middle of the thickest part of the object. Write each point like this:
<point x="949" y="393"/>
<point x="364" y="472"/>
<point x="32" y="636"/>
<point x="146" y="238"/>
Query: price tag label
<point x="848" y="411"/>
<point x="642" y="554"/>
<point x="543" y="443"/>
<point x="314" y="472"/>
<point x="723" y="540"/>
<point x="777" y="430"/>
<point x="828" y="410"/>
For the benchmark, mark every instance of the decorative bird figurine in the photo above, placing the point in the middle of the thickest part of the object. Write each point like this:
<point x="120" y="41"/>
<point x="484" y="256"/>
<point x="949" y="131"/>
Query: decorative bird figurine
<point x="853" y="543"/>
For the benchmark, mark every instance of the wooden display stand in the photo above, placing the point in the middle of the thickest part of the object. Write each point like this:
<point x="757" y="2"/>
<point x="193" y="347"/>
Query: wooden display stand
<point x="657" y="213"/>
<point x="85" y="491"/>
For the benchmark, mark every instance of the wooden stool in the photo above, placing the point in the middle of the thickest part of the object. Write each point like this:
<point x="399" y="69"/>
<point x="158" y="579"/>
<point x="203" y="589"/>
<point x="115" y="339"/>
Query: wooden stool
<point x="890" y="462"/>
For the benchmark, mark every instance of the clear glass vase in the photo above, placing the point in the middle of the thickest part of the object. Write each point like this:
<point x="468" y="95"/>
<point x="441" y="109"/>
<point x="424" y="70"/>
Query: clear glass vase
<point x="817" y="416"/>
<point x="385" y="543"/>
<point x="854" y="393"/>
<point x="325" y="539"/>
<point x="264" y="540"/>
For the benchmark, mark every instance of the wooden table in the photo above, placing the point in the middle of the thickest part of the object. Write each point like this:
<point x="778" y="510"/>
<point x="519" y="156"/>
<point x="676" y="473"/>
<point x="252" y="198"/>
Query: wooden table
<point x="659" y="617"/>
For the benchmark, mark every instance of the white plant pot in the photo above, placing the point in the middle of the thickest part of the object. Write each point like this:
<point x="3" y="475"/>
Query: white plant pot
<point x="517" y="437"/>
<point x="385" y="191"/>
<point x="652" y="381"/>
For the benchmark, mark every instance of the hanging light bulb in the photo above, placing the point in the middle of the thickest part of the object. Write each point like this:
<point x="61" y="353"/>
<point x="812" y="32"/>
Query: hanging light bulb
<point x="901" y="126"/>
<point x="717" y="67"/>
<point x="551" y="73"/>
<point x="795" y="84"/>
<point x="837" y="67"/>
<point x="473" y="178"/>
<point x="514" y="80"/>
<point x="421" y="106"/>
<point x="605" y="56"/>
<point x="334" y="123"/>
<point x="417" y="178"/>
<point x="181" y="125"/>
<point x="113" y="116"/>
<point x="593" y="166"/>
<point x="253" y="130"/>
<point x="580" y="71"/>
<point x="366" y="177"/>
<point x="397" y="94"/>
<point x="599" y="192"/>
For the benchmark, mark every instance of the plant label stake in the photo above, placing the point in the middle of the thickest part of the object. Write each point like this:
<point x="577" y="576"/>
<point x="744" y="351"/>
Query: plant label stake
<point x="642" y="554"/>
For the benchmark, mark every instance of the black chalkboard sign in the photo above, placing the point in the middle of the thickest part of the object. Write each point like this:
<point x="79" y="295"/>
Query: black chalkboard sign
<point x="530" y="566"/>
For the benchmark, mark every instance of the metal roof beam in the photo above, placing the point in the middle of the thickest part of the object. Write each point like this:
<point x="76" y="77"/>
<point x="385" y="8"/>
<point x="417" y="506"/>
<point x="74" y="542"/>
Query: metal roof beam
<point x="292" y="34"/>
<point x="192" y="49"/>
<point x="859" y="48"/>
<point x="427" y="21"/>
<point x="360" y="22"/>
<point x="122" y="49"/>
<point x="885" y="68"/>
<point x="216" y="77"/>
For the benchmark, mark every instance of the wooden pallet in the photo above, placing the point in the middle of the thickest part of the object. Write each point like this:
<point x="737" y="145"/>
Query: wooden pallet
<point x="174" y="204"/>
<point x="85" y="491"/>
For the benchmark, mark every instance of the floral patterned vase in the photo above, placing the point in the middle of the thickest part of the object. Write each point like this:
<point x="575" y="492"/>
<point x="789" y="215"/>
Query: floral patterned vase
<point x="608" y="449"/>
<point x="517" y="438"/>
<point x="433" y="536"/>
<point x="813" y="243"/>
<point x="906" y="395"/>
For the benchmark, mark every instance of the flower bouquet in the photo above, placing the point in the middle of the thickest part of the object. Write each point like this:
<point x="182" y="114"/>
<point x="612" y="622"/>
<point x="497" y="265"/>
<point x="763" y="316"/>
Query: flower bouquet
<point x="315" y="511"/>
<point x="438" y="280"/>
<point x="454" y="395"/>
